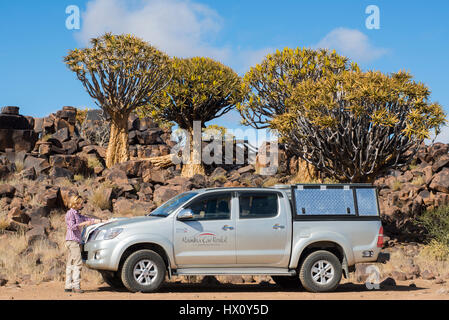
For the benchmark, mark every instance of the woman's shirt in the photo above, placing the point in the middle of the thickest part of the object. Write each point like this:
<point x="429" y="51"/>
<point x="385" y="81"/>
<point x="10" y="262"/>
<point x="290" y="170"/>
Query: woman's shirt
<point x="73" y="219"/>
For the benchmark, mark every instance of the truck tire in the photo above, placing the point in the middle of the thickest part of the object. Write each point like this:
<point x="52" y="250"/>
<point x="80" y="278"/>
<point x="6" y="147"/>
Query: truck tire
<point x="287" y="282"/>
<point x="113" y="279"/>
<point x="320" y="271"/>
<point x="143" y="271"/>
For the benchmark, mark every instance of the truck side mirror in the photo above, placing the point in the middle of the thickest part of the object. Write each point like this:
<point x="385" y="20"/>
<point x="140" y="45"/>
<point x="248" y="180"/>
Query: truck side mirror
<point x="185" y="214"/>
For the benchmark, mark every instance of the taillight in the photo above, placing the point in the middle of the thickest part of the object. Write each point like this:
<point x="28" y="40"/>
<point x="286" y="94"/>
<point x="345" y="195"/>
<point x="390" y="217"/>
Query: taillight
<point x="380" y="238"/>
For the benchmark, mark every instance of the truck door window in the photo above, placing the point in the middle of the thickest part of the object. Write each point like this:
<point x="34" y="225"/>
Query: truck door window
<point x="367" y="201"/>
<point x="258" y="206"/>
<point x="212" y="208"/>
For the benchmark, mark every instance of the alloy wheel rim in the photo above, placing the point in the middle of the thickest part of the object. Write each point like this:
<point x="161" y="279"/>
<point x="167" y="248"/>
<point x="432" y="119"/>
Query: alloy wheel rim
<point x="145" y="272"/>
<point x="322" y="272"/>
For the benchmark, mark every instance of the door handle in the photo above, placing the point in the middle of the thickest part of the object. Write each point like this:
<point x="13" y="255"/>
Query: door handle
<point x="226" y="227"/>
<point x="278" y="226"/>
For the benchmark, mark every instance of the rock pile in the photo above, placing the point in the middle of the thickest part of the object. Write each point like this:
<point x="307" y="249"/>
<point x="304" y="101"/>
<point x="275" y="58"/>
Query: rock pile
<point x="424" y="185"/>
<point x="16" y="131"/>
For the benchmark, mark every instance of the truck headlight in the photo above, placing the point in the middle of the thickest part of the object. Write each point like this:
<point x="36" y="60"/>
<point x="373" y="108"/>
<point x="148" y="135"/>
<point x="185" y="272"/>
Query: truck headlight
<point x="108" y="234"/>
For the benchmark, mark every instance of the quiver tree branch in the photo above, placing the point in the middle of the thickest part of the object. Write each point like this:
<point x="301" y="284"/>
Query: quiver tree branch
<point x="354" y="125"/>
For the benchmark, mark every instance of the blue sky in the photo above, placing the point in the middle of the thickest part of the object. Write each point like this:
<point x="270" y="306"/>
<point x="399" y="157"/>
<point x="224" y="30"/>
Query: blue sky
<point x="413" y="36"/>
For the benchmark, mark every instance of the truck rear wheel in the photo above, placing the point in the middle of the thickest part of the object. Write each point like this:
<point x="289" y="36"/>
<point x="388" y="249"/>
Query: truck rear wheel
<point x="143" y="271"/>
<point x="287" y="282"/>
<point x="113" y="279"/>
<point x="320" y="271"/>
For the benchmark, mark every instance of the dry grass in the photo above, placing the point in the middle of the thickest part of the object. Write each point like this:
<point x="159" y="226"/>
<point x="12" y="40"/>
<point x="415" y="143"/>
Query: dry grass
<point x="419" y="181"/>
<point x="19" y="166"/>
<point x="63" y="182"/>
<point x="45" y="262"/>
<point x="99" y="199"/>
<point x="270" y="182"/>
<point x="93" y="162"/>
<point x="78" y="178"/>
<point x="220" y="179"/>
<point x="396" y="185"/>
<point x="436" y="250"/>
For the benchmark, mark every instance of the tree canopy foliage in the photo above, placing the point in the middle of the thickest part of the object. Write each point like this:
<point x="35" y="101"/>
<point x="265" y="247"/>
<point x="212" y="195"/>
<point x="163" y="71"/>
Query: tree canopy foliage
<point x="269" y="84"/>
<point x="122" y="73"/>
<point x="352" y="125"/>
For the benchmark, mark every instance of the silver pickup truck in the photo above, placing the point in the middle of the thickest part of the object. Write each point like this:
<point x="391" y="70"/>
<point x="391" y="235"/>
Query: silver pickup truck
<point x="303" y="234"/>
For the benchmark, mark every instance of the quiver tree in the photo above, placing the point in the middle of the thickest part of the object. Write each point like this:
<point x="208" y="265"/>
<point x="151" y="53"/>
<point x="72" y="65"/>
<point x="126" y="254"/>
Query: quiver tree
<point x="354" y="125"/>
<point x="269" y="84"/>
<point x="201" y="90"/>
<point x="122" y="73"/>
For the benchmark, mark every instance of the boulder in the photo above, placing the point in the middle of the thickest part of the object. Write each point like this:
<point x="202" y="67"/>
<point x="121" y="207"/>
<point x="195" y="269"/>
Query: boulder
<point x="156" y="175"/>
<point x="51" y="198"/>
<point x="37" y="233"/>
<point x="246" y="169"/>
<point x="29" y="174"/>
<point x="443" y="161"/>
<point x="198" y="181"/>
<point x="70" y="147"/>
<point x="218" y="172"/>
<point x="4" y="171"/>
<point x="125" y="207"/>
<point x="57" y="172"/>
<point x="116" y="176"/>
<point x="71" y="162"/>
<point x="440" y="181"/>
<point x="180" y="181"/>
<point x="436" y="150"/>
<point x="40" y="165"/>
<point x="62" y="135"/>
<point x="163" y="194"/>
<point x="427" y="275"/>
<point x="16" y="214"/>
<point x="7" y="191"/>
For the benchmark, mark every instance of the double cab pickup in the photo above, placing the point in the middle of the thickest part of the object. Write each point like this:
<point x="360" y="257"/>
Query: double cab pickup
<point x="307" y="235"/>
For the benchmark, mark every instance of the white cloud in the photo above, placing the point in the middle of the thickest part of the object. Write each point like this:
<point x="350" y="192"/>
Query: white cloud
<point x="351" y="43"/>
<point x="180" y="28"/>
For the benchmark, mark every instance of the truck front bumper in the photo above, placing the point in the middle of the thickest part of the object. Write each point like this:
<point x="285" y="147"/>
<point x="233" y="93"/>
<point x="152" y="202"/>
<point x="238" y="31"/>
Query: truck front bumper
<point x="99" y="255"/>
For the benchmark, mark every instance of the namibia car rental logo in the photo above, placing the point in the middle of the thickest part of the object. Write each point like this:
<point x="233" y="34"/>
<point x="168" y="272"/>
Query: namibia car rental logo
<point x="205" y="238"/>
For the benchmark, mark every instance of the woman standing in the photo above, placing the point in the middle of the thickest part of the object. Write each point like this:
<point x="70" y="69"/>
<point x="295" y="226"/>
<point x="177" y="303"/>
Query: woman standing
<point x="75" y="223"/>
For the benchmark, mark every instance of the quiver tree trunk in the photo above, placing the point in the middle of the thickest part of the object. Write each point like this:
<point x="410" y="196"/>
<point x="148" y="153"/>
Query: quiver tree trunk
<point x="194" y="164"/>
<point x="306" y="173"/>
<point x="118" y="147"/>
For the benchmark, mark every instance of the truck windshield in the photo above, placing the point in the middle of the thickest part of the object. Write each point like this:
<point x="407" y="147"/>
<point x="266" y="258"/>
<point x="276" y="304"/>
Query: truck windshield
<point x="172" y="204"/>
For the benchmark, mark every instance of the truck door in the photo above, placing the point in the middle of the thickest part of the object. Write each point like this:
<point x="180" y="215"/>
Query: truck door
<point x="263" y="237"/>
<point x="209" y="239"/>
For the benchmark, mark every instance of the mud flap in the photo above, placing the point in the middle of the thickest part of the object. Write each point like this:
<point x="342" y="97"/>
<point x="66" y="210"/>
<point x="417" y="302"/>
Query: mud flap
<point x="345" y="267"/>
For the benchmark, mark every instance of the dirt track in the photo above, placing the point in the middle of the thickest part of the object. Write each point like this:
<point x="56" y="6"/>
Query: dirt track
<point x="55" y="291"/>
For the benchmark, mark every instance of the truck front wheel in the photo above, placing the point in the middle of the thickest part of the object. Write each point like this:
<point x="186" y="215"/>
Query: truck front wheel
<point x="143" y="271"/>
<point x="320" y="271"/>
<point x="113" y="279"/>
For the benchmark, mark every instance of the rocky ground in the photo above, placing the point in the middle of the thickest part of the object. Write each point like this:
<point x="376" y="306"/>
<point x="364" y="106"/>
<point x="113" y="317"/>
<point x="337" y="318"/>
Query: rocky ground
<point x="45" y="161"/>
